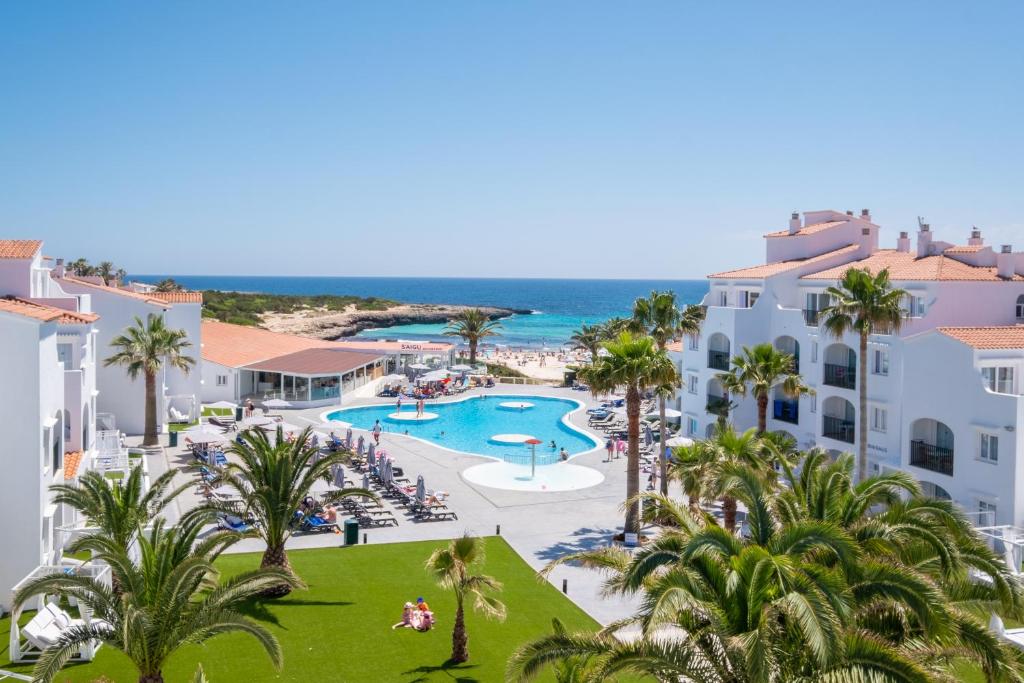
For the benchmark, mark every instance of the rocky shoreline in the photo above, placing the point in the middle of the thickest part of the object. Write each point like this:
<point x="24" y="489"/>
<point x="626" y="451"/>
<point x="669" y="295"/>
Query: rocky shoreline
<point x="326" y="324"/>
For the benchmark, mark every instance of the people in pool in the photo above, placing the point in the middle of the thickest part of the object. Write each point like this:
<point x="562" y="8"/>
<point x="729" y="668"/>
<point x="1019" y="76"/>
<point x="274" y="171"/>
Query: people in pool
<point x="553" y="446"/>
<point x="563" y="454"/>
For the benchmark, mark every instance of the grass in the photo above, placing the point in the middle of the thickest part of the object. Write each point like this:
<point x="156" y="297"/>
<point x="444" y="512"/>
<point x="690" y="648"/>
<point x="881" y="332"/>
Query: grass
<point x="339" y="629"/>
<point x="207" y="412"/>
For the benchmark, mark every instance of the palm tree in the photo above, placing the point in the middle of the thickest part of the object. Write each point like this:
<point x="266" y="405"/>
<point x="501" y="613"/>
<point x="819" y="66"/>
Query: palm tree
<point x="172" y="597"/>
<point x="168" y="284"/>
<point x="613" y="327"/>
<point x="727" y="449"/>
<point x="105" y="270"/>
<point x="80" y="267"/>
<point x="635" y="364"/>
<point x="758" y="370"/>
<point x="863" y="303"/>
<point x="273" y="478"/>
<point x="588" y="338"/>
<point x="146" y="347"/>
<point x="659" y="316"/>
<point x="453" y="567"/>
<point x="472" y="325"/>
<point x="117" y="509"/>
<point x="693" y="467"/>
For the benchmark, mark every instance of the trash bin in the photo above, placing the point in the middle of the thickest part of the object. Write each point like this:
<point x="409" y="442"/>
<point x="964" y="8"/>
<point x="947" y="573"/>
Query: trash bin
<point x="173" y="439"/>
<point x="238" y="413"/>
<point x="351" y="532"/>
<point x="569" y="378"/>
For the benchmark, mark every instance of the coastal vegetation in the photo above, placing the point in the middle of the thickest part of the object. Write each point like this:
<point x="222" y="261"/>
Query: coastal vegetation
<point x="863" y="304"/>
<point x="833" y="580"/>
<point x="105" y="269"/>
<point x="247" y="308"/>
<point x="144" y="349"/>
<point x="473" y="325"/>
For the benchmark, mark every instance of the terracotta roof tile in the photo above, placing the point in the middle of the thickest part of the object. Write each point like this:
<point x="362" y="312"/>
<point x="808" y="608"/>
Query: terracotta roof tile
<point x="323" y="361"/>
<point x="782" y="266"/>
<point x="30" y="309"/>
<point x="238" y="345"/>
<point x="806" y="230"/>
<point x="907" y="266"/>
<point x="72" y="460"/>
<point x="964" y="249"/>
<point x="178" y="297"/>
<point x="116" y="290"/>
<point x="17" y="249"/>
<point x="996" y="337"/>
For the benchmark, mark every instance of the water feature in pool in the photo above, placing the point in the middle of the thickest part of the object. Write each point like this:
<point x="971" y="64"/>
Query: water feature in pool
<point x="468" y="425"/>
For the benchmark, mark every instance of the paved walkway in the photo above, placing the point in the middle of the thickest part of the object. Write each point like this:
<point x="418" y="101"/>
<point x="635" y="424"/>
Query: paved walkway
<point x="541" y="526"/>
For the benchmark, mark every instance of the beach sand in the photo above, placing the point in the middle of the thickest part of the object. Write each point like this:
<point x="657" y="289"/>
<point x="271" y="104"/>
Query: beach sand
<point x="548" y="365"/>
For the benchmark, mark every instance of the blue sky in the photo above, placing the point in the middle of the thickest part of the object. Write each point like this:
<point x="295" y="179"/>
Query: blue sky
<point x="576" y="139"/>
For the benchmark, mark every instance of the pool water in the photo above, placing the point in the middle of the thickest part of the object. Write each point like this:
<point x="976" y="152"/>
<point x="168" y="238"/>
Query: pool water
<point x="469" y="425"/>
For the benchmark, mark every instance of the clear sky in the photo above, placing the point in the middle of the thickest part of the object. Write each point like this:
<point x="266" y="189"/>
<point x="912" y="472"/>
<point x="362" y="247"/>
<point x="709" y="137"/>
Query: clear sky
<point x="576" y="139"/>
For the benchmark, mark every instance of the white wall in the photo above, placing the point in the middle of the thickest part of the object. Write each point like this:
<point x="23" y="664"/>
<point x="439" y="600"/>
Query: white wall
<point x="210" y="392"/>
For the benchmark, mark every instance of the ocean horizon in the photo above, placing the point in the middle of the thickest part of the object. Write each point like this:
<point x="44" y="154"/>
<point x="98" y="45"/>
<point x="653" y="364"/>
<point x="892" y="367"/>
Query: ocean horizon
<point x="559" y="305"/>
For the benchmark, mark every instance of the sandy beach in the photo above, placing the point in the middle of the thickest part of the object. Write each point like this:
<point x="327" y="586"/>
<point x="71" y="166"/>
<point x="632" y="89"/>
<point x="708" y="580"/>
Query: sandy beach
<point x="548" y="365"/>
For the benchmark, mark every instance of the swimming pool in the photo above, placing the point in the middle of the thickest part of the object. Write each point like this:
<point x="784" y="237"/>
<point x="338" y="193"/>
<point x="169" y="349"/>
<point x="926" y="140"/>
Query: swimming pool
<point x="471" y="424"/>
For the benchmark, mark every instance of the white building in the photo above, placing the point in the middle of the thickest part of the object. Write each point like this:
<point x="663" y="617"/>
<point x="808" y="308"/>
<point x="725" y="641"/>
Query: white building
<point x="48" y="360"/>
<point x="944" y="394"/>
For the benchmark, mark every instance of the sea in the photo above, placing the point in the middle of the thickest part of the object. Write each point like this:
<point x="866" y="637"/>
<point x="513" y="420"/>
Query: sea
<point x="559" y="306"/>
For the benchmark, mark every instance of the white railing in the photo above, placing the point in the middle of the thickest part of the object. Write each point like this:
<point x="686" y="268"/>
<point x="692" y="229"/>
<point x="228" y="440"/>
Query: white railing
<point x="110" y="454"/>
<point x="1008" y="542"/>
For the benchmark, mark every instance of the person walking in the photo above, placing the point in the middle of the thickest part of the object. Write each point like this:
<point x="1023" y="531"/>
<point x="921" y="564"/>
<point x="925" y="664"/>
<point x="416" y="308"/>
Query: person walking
<point x="376" y="432"/>
<point x="609" y="446"/>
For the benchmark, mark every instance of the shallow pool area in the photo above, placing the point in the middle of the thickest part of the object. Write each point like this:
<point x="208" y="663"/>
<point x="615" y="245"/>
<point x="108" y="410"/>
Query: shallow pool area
<point x="470" y="425"/>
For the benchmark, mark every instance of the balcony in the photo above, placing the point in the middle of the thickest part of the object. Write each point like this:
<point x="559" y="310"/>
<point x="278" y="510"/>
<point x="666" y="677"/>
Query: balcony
<point x="842" y="376"/>
<point x="787" y="411"/>
<point x="718" y="405"/>
<point x="811" y="317"/>
<point x="718" y="360"/>
<point x="930" y="457"/>
<point x="838" y="428"/>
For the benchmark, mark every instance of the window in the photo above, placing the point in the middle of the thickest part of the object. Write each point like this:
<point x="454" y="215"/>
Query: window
<point x="990" y="447"/>
<point x="817" y="302"/>
<point x="64" y="355"/>
<point x="988" y="513"/>
<point x="691" y="383"/>
<point x="691" y="426"/>
<point x="880" y="362"/>
<point x="814" y="352"/>
<point x="915" y="306"/>
<point x="751" y="298"/>
<point x="723" y="298"/>
<point x="694" y="342"/>
<point x="1020" y="307"/>
<point x="222" y="380"/>
<point x="813" y="403"/>
<point x="999" y="380"/>
<point x="879" y="419"/>
<point x="741" y="298"/>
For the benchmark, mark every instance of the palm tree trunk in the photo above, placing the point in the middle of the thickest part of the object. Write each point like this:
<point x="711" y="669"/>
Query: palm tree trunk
<point x="460" y="639"/>
<point x="663" y="456"/>
<point x="729" y="513"/>
<point x="762" y="414"/>
<point x="158" y="677"/>
<point x="472" y="351"/>
<point x="150" y="438"/>
<point x="862" y="386"/>
<point x="276" y="557"/>
<point x="633" y="460"/>
<point x="694" y="504"/>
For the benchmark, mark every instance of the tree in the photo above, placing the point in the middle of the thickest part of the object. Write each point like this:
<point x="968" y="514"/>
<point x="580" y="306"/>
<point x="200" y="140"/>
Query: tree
<point x="145" y="348"/>
<point x="453" y="566"/>
<point x="472" y="325"/>
<point x="757" y="371"/>
<point x="864" y="304"/>
<point x="832" y="582"/>
<point x="633" y="363"/>
<point x="660" y="317"/>
<point x="273" y="478"/>
<point x="80" y="267"/>
<point x="726" y="449"/>
<point x="613" y="327"/>
<point x="172" y="597"/>
<point x="117" y="509"/>
<point x="168" y="285"/>
<point x="105" y="270"/>
<point x="588" y="338"/>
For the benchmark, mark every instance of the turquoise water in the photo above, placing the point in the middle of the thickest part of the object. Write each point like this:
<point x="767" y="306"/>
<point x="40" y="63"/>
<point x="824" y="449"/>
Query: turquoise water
<point x="468" y="425"/>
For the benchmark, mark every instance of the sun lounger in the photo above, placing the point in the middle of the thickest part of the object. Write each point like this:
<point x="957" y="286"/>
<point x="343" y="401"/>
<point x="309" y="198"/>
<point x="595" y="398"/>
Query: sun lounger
<point x="435" y="514"/>
<point x="232" y="523"/>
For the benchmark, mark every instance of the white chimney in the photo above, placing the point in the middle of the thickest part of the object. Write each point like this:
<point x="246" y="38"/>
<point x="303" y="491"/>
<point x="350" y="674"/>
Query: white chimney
<point x="865" y="215"/>
<point x="924" y="240"/>
<point x="903" y="243"/>
<point x="1004" y="262"/>
<point x="868" y="241"/>
<point x="794" y="223"/>
<point x="975" y="239"/>
<point x="58" y="269"/>
<point x="849" y="213"/>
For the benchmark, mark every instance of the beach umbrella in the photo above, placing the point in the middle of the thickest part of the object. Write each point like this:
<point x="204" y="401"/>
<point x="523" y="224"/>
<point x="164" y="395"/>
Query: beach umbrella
<point x="648" y="435"/>
<point x="387" y="473"/>
<point x="256" y="421"/>
<point x="421" y="489"/>
<point x="679" y="441"/>
<point x="222" y="405"/>
<point x="391" y="379"/>
<point x="418" y="366"/>
<point x="366" y="481"/>
<point x="276" y="403"/>
<point x="286" y="427"/>
<point x="348" y="438"/>
<point x="371" y="454"/>
<point x="360" y="444"/>
<point x="205" y="434"/>
<point x="339" y="476"/>
<point x="461" y="367"/>
<point x="331" y="425"/>
<point x="534" y="442"/>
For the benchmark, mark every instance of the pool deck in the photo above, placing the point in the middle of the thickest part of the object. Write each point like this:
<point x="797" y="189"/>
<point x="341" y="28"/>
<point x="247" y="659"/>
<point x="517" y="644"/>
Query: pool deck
<point x="541" y="526"/>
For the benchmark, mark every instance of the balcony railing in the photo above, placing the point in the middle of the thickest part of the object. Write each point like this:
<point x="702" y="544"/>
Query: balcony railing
<point x="787" y="410"/>
<point x="811" y="317"/>
<point x="842" y="376"/>
<point x="718" y="405"/>
<point x="838" y="428"/>
<point x="718" y="360"/>
<point x="931" y="457"/>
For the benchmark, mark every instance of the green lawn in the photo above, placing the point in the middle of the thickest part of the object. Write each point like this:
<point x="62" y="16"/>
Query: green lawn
<point x="339" y="629"/>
